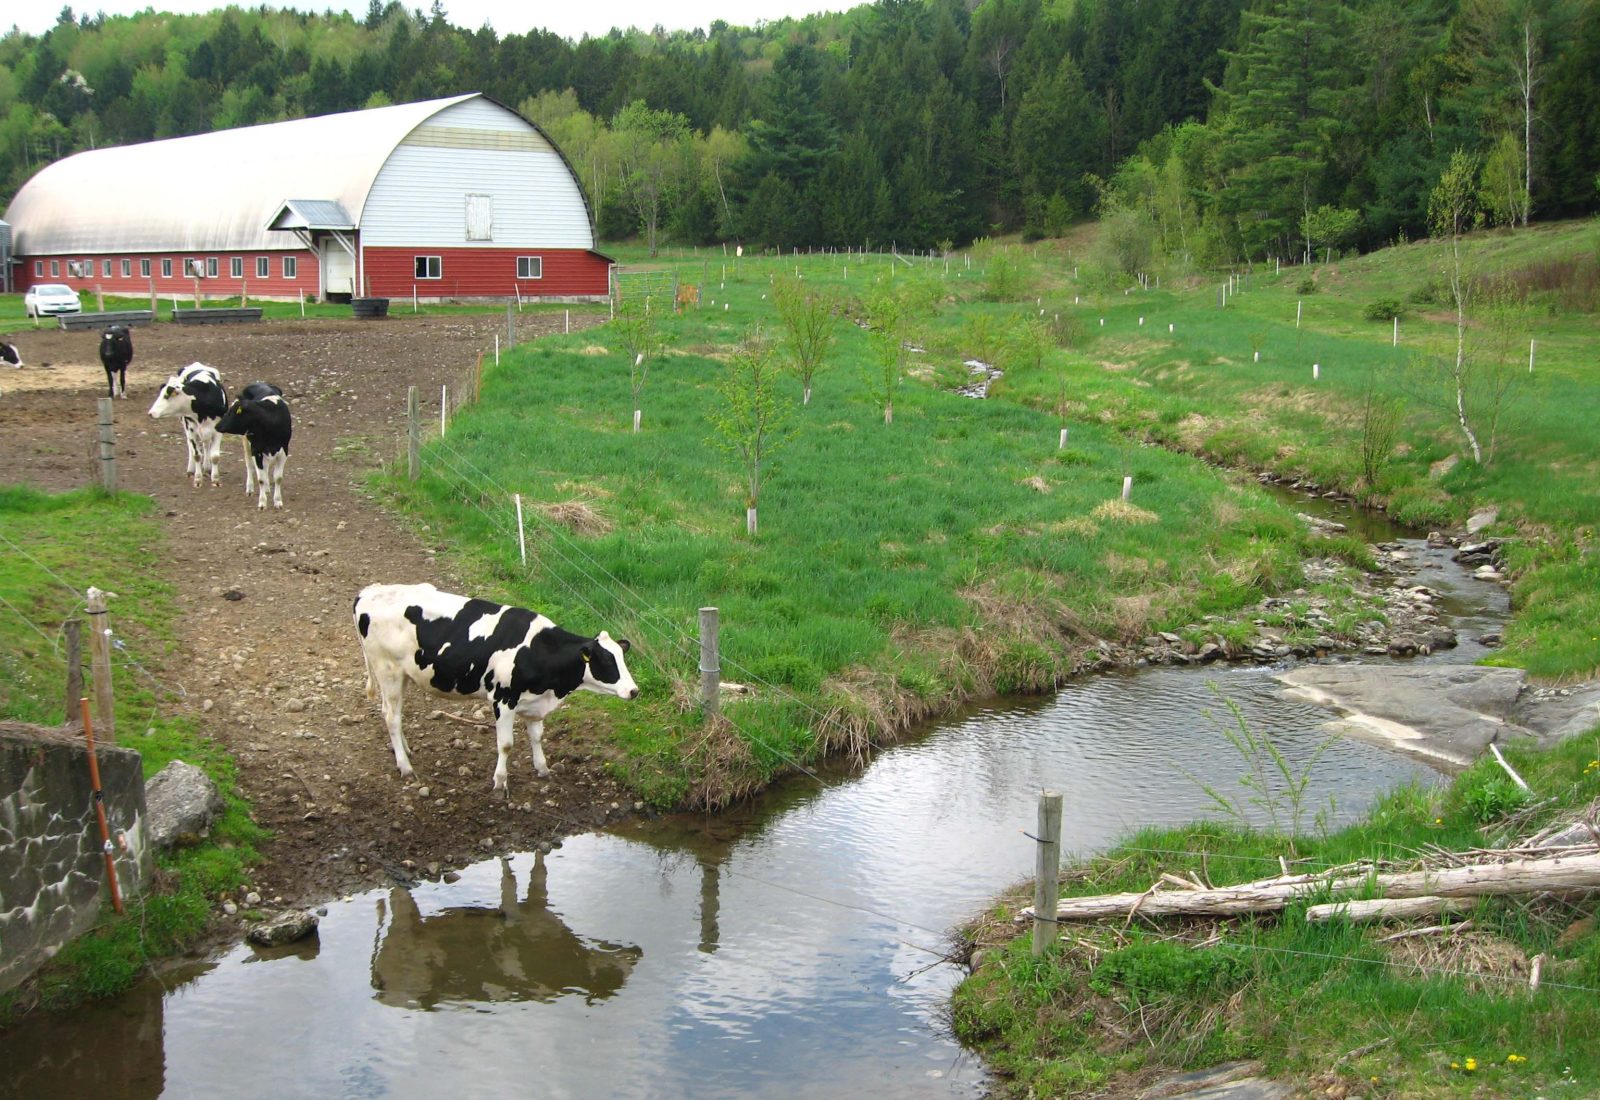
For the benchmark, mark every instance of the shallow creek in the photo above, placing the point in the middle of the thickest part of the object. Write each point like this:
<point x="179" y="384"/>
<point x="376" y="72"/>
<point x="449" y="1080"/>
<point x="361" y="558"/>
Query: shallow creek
<point x="791" y="948"/>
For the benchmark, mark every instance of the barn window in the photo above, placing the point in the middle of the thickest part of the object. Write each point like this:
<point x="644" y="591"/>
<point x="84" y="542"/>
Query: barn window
<point x="38" y="268"/>
<point x="144" y="268"/>
<point x="428" y="267"/>
<point x="480" y="219"/>
<point x="291" y="266"/>
<point x="55" y="269"/>
<point x="236" y="267"/>
<point x="211" y="267"/>
<point x="166" y="267"/>
<point x="261" y="267"/>
<point x="530" y="267"/>
<point x="127" y="269"/>
<point x="105" y="269"/>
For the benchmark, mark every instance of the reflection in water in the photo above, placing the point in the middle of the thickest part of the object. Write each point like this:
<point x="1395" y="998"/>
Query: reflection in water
<point x="520" y="951"/>
<point x="126" y="1058"/>
<point x="781" y="951"/>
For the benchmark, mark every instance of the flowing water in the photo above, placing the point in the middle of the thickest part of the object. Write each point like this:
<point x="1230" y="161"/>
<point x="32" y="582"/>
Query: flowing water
<point x="791" y="948"/>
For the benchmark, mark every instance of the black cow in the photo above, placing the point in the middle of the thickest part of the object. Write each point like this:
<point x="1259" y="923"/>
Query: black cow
<point x="265" y="423"/>
<point x="10" y="355"/>
<point x="517" y="659"/>
<point x="116" y="352"/>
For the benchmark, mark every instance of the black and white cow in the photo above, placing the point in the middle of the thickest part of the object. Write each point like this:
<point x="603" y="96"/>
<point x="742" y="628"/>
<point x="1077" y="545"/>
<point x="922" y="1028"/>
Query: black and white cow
<point x="261" y="415"/>
<point x="196" y="394"/>
<point x="9" y="355"/>
<point x="520" y="661"/>
<point x="116" y="352"/>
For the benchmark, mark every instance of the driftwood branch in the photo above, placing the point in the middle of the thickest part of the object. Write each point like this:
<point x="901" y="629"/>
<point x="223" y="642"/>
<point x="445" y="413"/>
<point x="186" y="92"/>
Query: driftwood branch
<point x="1478" y="880"/>
<point x="1430" y="930"/>
<point x="1512" y="772"/>
<point x="1376" y="909"/>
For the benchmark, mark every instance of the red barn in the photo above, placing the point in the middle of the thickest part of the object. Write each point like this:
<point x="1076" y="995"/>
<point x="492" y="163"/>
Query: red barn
<point x="446" y="199"/>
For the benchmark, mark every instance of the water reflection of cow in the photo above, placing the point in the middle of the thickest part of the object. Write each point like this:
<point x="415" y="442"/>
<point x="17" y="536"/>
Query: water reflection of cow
<point x="518" y="952"/>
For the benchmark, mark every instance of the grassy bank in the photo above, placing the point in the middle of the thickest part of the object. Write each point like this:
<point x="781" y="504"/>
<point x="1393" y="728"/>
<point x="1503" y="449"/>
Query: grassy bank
<point x="899" y="568"/>
<point x="1328" y="1007"/>
<point x="903" y="567"/>
<point x="55" y="547"/>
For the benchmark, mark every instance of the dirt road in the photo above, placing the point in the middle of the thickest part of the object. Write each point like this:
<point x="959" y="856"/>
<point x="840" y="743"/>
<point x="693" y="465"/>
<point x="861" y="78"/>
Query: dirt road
<point x="268" y="659"/>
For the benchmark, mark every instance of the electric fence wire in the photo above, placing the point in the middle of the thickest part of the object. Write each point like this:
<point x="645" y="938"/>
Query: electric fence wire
<point x="505" y="530"/>
<point x="684" y="642"/>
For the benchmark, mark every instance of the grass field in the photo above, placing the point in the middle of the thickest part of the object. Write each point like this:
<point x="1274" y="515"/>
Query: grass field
<point x="55" y="547"/>
<point x="960" y="550"/>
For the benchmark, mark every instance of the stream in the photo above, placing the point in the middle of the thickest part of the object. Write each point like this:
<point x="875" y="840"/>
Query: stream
<point x="789" y="948"/>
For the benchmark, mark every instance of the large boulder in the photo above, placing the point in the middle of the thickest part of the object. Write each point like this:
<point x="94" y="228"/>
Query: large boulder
<point x="285" y="928"/>
<point x="181" y="802"/>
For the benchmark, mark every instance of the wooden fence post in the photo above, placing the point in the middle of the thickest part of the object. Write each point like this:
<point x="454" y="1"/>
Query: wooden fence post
<point x="413" y="436"/>
<point x="108" y="444"/>
<point x="100" y="664"/>
<point x="73" y="628"/>
<point x="710" y="663"/>
<point x="1047" y="872"/>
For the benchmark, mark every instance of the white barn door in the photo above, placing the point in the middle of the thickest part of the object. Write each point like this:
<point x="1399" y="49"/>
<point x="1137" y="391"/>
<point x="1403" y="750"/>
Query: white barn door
<point x="338" y="269"/>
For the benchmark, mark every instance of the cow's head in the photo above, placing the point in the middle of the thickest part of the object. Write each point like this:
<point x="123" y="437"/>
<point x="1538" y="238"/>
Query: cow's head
<point x="235" y="420"/>
<point x="605" y="669"/>
<point x="172" y="400"/>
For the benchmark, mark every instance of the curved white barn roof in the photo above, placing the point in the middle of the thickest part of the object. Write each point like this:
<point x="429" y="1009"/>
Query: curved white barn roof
<point x="212" y="191"/>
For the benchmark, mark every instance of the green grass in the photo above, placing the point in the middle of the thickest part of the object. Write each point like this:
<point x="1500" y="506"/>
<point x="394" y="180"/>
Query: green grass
<point x="12" y="316"/>
<point x="1301" y="996"/>
<point x="56" y="546"/>
<point x="899" y="568"/>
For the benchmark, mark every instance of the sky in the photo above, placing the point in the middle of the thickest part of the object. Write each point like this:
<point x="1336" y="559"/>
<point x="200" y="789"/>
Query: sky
<point x="571" y="19"/>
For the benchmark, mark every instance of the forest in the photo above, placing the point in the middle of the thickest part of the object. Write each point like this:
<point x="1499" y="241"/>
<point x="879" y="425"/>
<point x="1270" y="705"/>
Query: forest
<point x="1213" y="131"/>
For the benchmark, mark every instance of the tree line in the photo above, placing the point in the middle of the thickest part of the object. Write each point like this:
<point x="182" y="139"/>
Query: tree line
<point x="1208" y="129"/>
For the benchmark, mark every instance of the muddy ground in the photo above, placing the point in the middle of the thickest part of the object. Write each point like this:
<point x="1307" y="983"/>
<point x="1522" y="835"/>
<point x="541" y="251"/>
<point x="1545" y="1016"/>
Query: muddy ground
<point x="267" y="658"/>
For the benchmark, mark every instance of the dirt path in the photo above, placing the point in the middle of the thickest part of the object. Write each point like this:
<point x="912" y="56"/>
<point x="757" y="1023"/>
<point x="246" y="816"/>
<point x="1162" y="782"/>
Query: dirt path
<point x="268" y="656"/>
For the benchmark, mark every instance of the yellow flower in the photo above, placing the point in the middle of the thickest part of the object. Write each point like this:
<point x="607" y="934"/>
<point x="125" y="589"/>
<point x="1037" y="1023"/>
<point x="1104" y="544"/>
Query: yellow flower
<point x="1455" y="1065"/>
<point x="1472" y="1065"/>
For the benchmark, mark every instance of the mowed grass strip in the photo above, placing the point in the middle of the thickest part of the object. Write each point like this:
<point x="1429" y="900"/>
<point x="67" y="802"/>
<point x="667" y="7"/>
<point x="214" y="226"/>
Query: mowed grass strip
<point x="899" y="568"/>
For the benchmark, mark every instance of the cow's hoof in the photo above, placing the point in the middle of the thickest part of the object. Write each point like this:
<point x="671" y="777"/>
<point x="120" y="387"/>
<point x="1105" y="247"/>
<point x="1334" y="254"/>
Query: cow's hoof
<point x="501" y="794"/>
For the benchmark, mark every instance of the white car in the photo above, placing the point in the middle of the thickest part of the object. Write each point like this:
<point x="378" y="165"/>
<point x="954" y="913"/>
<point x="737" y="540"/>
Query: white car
<point x="50" y="298"/>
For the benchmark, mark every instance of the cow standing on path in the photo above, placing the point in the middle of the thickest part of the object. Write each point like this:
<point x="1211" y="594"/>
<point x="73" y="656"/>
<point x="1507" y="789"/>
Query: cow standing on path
<point x="196" y="394"/>
<point x="9" y="355"/>
<point x="116" y="352"/>
<point x="520" y="661"/>
<point x="261" y="415"/>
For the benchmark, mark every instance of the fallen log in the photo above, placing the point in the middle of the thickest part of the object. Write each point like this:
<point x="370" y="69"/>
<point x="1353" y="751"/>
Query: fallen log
<point x="1478" y="880"/>
<point x="1376" y="909"/>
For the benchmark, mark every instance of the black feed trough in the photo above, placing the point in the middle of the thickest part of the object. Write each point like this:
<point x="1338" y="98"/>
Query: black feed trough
<point x="217" y="315"/>
<point x="130" y="317"/>
<point x="370" y="307"/>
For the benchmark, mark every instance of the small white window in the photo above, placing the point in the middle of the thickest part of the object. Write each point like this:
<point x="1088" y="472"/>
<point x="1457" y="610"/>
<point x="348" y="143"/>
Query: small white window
<point x="480" y="218"/>
<point x="166" y="267"/>
<point x="105" y="269"/>
<point x="236" y="267"/>
<point x="144" y="268"/>
<point x="428" y="267"/>
<point x="530" y="267"/>
<point x="127" y="269"/>
<point x="55" y="269"/>
<point x="291" y="266"/>
<point x="261" y="267"/>
<point x="38" y="268"/>
<point x="211" y="267"/>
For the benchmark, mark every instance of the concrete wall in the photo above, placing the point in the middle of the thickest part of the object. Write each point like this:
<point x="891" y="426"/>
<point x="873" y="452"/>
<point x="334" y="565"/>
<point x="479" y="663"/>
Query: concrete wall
<point x="52" y="865"/>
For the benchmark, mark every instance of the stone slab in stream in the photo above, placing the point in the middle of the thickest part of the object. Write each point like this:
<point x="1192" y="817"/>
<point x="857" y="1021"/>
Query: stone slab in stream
<point x="1445" y="714"/>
